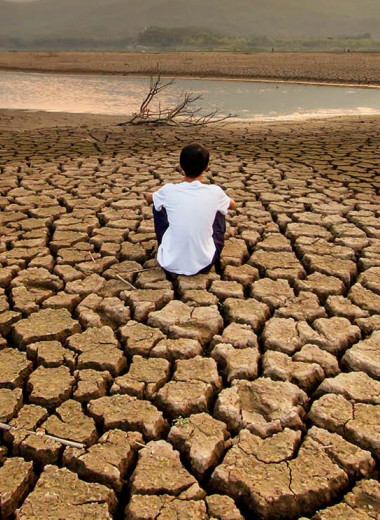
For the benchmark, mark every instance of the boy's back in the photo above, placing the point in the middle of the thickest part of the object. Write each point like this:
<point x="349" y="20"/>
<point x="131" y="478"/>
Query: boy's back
<point x="187" y="245"/>
<point x="189" y="217"/>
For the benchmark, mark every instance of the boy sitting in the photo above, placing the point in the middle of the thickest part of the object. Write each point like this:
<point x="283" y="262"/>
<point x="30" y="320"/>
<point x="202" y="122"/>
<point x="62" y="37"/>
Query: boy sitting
<point x="189" y="217"/>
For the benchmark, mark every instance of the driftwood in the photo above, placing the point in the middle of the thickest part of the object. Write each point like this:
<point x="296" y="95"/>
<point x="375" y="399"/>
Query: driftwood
<point x="183" y="114"/>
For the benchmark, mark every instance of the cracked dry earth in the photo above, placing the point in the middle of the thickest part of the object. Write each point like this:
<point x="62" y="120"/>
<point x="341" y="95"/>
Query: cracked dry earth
<point x="252" y="394"/>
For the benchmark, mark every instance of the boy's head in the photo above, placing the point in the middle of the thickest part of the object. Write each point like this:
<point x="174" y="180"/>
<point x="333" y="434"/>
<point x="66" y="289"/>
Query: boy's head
<point x="194" y="159"/>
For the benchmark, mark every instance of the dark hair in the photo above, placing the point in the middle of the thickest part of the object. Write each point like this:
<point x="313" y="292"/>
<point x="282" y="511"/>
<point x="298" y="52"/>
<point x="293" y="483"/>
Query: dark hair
<point x="194" y="159"/>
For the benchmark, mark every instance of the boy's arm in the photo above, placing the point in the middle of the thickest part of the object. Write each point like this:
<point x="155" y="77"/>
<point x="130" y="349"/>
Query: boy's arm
<point x="232" y="204"/>
<point x="148" y="197"/>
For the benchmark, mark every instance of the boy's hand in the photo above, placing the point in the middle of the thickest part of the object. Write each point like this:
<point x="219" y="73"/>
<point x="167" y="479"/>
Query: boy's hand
<point x="232" y="204"/>
<point x="148" y="197"/>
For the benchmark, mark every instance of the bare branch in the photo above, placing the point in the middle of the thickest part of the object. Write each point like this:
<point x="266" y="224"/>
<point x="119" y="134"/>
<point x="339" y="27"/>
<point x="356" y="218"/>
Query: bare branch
<point x="183" y="113"/>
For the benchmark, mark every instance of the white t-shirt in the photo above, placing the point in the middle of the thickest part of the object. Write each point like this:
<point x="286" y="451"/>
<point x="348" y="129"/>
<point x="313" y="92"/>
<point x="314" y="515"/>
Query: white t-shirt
<point x="187" y="245"/>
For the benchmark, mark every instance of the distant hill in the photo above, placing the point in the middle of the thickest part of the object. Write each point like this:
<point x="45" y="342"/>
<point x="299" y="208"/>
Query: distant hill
<point x="109" y="20"/>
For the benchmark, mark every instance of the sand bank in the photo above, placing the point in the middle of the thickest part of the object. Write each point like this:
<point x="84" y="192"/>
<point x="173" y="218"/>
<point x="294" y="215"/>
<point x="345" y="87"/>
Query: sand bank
<point x="339" y="68"/>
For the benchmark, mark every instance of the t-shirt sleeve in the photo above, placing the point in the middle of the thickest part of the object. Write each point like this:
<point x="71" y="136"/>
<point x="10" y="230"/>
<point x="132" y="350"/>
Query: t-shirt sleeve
<point x="223" y="202"/>
<point x="159" y="198"/>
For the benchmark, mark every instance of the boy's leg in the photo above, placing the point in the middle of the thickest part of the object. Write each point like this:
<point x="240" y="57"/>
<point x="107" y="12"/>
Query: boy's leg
<point x="219" y="228"/>
<point x="161" y="223"/>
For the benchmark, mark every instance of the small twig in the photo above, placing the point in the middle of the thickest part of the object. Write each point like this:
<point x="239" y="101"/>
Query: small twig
<point x="139" y="444"/>
<point x="143" y="270"/>
<point x="92" y="258"/>
<point x="126" y="281"/>
<point x="64" y="442"/>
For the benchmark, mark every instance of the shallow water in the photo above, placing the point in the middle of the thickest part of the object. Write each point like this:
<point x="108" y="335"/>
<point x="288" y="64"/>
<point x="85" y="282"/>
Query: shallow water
<point x="120" y="95"/>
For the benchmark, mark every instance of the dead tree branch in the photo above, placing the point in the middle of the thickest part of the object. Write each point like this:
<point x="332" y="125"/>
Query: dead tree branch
<point x="183" y="114"/>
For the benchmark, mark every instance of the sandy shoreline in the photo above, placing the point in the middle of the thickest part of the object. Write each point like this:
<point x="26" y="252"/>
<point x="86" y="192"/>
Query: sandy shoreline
<point x="19" y="120"/>
<point x="353" y="69"/>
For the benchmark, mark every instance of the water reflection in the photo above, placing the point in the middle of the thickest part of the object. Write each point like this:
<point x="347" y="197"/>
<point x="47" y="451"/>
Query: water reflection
<point x="115" y="95"/>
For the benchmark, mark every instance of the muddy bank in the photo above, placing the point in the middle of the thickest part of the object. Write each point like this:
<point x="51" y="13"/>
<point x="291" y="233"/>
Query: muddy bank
<point x="347" y="68"/>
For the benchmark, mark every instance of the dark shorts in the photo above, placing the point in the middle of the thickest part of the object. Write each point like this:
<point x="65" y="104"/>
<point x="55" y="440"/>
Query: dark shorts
<point x="161" y="224"/>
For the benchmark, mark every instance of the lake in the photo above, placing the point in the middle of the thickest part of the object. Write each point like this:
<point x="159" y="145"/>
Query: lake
<point x="122" y="95"/>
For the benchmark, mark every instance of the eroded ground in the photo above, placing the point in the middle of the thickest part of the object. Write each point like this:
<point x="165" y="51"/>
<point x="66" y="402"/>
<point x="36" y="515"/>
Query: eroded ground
<point x="326" y="67"/>
<point x="254" y="394"/>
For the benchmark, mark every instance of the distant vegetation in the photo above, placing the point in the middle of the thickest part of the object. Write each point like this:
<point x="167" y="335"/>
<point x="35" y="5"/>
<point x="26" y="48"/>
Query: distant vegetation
<point x="187" y="38"/>
<point x="197" y="38"/>
<point x="190" y="24"/>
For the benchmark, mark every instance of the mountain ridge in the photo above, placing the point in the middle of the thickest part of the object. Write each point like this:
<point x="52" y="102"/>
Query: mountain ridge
<point x="116" y="19"/>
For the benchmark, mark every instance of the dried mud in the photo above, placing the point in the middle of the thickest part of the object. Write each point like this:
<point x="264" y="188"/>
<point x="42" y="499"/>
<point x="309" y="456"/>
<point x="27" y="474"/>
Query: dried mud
<point x="250" y="394"/>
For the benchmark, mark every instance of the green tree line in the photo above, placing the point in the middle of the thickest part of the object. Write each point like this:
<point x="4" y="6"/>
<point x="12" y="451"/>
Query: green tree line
<point x="196" y="38"/>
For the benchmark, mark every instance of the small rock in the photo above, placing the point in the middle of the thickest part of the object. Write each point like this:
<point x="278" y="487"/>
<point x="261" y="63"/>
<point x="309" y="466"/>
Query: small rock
<point x="262" y="406"/>
<point x="139" y="339"/>
<point x="345" y="270"/>
<point x="357" y="386"/>
<point x="108" y="461"/>
<point x="128" y="414"/>
<point x="280" y="367"/>
<point x="14" y="368"/>
<point x="260" y="473"/>
<point x="98" y="349"/>
<point x="201" y="439"/>
<point x="47" y="324"/>
<point x="337" y="334"/>
<point x="282" y="334"/>
<point x="16" y="479"/>
<point x="198" y="369"/>
<point x="62" y="300"/>
<point x="322" y="285"/>
<point x="222" y="507"/>
<point x="199" y="298"/>
<point x="183" y="398"/>
<point x="364" y="298"/>
<point x="91" y="384"/>
<point x="159" y="471"/>
<point x="144" y="378"/>
<point x="166" y="506"/>
<point x="173" y="349"/>
<point x="244" y="274"/>
<point x="341" y="306"/>
<point x="359" y="504"/>
<point x="181" y="320"/>
<point x="10" y="403"/>
<point x="364" y="356"/>
<point x="144" y="301"/>
<point x="88" y="285"/>
<point x="305" y="306"/>
<point x="237" y="335"/>
<point x="51" y="354"/>
<point x="249" y="312"/>
<point x="197" y="282"/>
<point x="60" y="491"/>
<point x="49" y="387"/>
<point x="356" y="462"/>
<point x="69" y="422"/>
<point x="237" y="363"/>
<point x="227" y="289"/>
<point x="274" y="293"/>
<point x="313" y="354"/>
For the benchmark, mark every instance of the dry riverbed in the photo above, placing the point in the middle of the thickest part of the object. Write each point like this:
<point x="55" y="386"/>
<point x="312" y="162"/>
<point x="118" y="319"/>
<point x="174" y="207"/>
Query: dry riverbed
<point x="324" y="67"/>
<point x="250" y="394"/>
